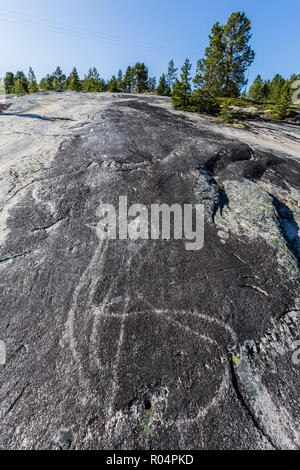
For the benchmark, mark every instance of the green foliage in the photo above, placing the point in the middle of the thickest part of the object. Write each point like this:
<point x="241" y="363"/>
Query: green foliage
<point x="33" y="86"/>
<point x="256" y="90"/>
<point x="238" y="54"/>
<point x="55" y="81"/>
<point x="59" y="79"/>
<point x="46" y="83"/>
<point x="227" y="57"/>
<point x="120" y="80"/>
<point x="259" y="91"/>
<point x="113" y="85"/>
<point x="9" y="82"/>
<point x="210" y="72"/>
<point x="148" y="431"/>
<point x="294" y="77"/>
<point x="240" y="102"/>
<point x="236" y="360"/>
<point x="162" y="88"/>
<point x="92" y="81"/>
<point x="266" y="91"/>
<point x="220" y="77"/>
<point x="181" y="94"/>
<point x="203" y="101"/>
<point x="284" y="101"/>
<point x="263" y="91"/>
<point x="21" y="84"/>
<point x="171" y="77"/>
<point x="152" y="84"/>
<point x="127" y="84"/>
<point x="226" y="113"/>
<point x="140" y="77"/>
<point x="275" y="88"/>
<point x="73" y="81"/>
<point x="19" y="88"/>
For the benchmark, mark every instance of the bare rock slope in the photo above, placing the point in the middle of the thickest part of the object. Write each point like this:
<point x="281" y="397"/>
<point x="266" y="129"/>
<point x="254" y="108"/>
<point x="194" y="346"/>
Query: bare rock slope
<point x="144" y="345"/>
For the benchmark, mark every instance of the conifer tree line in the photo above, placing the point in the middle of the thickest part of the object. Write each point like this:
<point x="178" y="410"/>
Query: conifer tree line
<point x="221" y="73"/>
<point x="135" y="80"/>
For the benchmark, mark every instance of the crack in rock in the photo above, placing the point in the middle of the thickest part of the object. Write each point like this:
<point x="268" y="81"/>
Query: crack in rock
<point x="255" y="366"/>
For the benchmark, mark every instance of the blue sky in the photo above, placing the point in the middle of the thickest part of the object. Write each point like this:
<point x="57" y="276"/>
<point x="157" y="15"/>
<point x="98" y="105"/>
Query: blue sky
<point x="113" y="34"/>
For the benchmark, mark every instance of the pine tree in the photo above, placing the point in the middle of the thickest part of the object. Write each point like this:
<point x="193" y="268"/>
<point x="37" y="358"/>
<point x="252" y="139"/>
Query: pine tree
<point x="152" y="84"/>
<point x="127" y="84"/>
<point x="9" y="82"/>
<point x="59" y="79"/>
<point x="21" y="85"/>
<point x="140" y="77"/>
<point x="227" y="57"/>
<point x="46" y="83"/>
<point x="92" y="81"/>
<point x="256" y="90"/>
<point x="294" y="77"/>
<point x="181" y="94"/>
<point x="120" y="80"/>
<point x="113" y="85"/>
<point x="226" y="113"/>
<point x="19" y="88"/>
<point x="73" y="81"/>
<point x="204" y="101"/>
<point x="102" y="85"/>
<point x="172" y="71"/>
<point x="275" y="88"/>
<point x="283" y="102"/>
<point x="238" y="54"/>
<point x="266" y="91"/>
<point x="33" y="86"/>
<point x="162" y="88"/>
<point x="210" y="72"/>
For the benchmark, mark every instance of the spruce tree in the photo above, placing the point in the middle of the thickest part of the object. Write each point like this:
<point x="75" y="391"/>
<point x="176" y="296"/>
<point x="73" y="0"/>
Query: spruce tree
<point x="46" y="83"/>
<point x="152" y="84"/>
<point x="127" y="84"/>
<point x="73" y="81"/>
<point x="113" y="85"/>
<point x="256" y="90"/>
<point x="59" y="79"/>
<point x="283" y="102"/>
<point x="33" y="86"/>
<point x="181" y="94"/>
<point x="266" y="91"/>
<point x="102" y="85"/>
<point x="19" y="88"/>
<point x="162" y="88"/>
<point x="204" y="101"/>
<point x="140" y="77"/>
<point x="21" y="84"/>
<point x="120" y="80"/>
<point x="226" y="113"/>
<point x="92" y="81"/>
<point x="275" y="88"/>
<point x="172" y="71"/>
<point x="9" y="82"/>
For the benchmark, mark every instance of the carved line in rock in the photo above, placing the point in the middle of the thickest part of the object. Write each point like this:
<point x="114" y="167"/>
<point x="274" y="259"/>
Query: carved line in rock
<point x="100" y="313"/>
